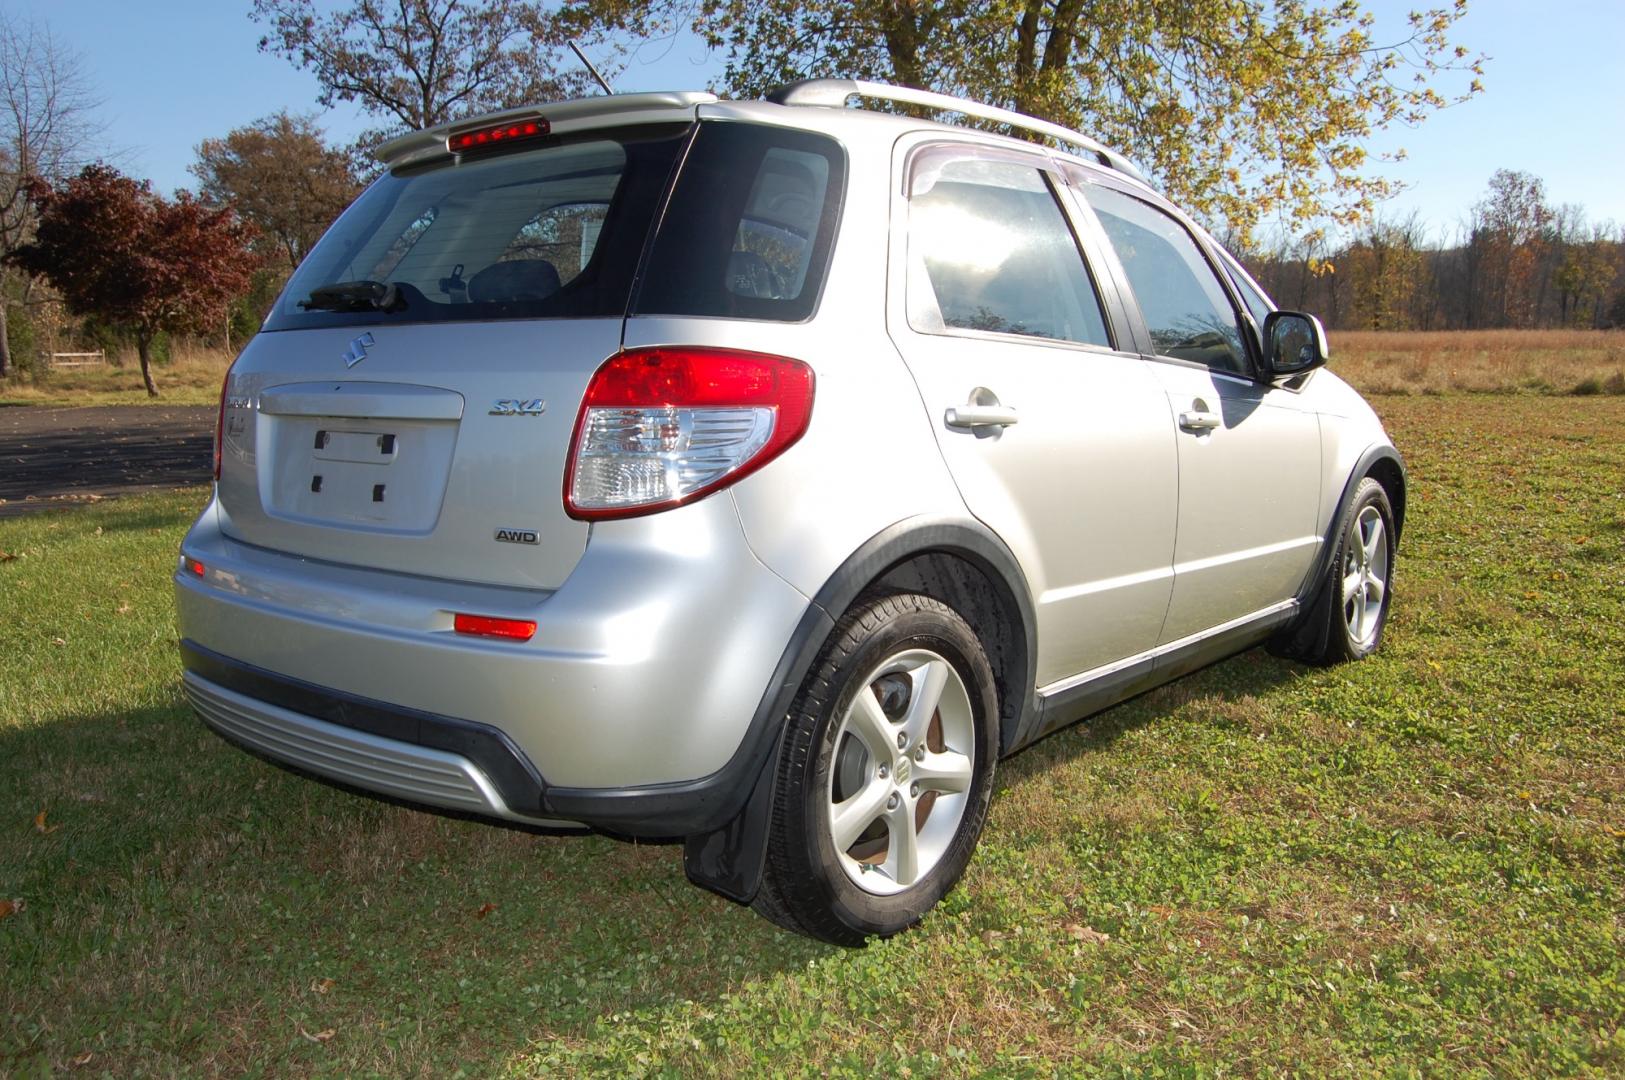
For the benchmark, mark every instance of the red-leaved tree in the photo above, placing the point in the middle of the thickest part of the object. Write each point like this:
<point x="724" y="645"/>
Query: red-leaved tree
<point x="117" y="250"/>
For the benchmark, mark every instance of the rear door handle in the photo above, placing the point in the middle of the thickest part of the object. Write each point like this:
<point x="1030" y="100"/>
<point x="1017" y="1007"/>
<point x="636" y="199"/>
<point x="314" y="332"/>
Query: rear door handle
<point x="1198" y="421"/>
<point x="975" y="416"/>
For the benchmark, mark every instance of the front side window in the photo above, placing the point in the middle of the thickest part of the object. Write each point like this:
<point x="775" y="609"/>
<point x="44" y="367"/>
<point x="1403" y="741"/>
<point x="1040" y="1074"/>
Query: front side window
<point x="990" y="250"/>
<point x="1184" y="305"/>
<point x="1258" y="305"/>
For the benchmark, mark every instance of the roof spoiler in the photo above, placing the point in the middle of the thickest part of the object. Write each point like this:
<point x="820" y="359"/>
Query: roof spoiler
<point x="563" y="116"/>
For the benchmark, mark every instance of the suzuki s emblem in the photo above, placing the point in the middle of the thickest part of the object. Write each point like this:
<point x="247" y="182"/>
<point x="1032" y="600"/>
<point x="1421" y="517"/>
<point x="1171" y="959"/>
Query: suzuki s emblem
<point x="518" y="407"/>
<point x="357" y="351"/>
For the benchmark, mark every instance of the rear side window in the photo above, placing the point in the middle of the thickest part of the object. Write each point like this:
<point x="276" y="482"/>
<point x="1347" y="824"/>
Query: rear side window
<point x="990" y="250"/>
<point x="553" y="232"/>
<point x="1185" y="307"/>
<point x="750" y="226"/>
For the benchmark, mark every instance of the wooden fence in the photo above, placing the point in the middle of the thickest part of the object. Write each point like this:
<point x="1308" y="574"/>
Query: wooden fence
<point x="74" y="359"/>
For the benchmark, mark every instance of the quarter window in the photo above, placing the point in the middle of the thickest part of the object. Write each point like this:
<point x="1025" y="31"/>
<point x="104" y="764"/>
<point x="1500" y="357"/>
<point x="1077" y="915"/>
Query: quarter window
<point x="990" y="250"/>
<point x="1185" y="307"/>
<point x="750" y="227"/>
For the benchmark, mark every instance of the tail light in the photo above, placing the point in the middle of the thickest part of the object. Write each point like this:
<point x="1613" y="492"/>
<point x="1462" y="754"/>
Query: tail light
<point x="661" y="427"/>
<point x="220" y="424"/>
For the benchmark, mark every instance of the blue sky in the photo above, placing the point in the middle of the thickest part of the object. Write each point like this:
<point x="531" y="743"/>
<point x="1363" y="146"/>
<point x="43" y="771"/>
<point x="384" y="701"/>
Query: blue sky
<point x="173" y="73"/>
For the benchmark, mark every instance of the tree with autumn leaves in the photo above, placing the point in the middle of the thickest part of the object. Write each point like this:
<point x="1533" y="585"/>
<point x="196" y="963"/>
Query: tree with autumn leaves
<point x="115" y="249"/>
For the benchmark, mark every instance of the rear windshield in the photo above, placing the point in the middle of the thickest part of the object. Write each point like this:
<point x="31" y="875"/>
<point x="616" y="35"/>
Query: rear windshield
<point x="554" y="232"/>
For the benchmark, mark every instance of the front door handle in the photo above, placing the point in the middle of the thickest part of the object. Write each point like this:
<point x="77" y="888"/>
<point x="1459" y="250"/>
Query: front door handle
<point x="1198" y="421"/>
<point x="975" y="416"/>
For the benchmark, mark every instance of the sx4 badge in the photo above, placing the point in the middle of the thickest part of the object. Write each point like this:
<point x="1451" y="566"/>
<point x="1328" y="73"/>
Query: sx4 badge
<point x="518" y="407"/>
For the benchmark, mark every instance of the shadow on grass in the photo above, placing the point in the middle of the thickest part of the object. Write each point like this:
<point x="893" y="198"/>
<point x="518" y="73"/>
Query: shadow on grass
<point x="182" y="877"/>
<point x="1247" y="675"/>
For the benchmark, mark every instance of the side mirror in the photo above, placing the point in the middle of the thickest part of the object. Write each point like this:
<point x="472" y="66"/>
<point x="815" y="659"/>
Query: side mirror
<point x="1294" y="343"/>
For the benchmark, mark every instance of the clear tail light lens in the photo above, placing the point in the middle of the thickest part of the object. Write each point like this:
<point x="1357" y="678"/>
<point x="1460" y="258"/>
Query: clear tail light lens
<point x="660" y="427"/>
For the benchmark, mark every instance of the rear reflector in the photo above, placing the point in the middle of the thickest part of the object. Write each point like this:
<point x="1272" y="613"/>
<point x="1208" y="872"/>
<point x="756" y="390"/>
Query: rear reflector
<point x="490" y="626"/>
<point x="483" y="138"/>
<point x="193" y="566"/>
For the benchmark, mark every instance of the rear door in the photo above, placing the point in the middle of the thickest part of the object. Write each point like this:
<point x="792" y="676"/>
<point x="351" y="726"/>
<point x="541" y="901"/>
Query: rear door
<point x="426" y="432"/>
<point x="1249" y="452"/>
<point x="1058" y="439"/>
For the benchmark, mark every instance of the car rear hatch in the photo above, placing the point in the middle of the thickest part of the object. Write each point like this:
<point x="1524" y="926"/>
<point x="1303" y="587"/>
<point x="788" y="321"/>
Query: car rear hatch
<point x="410" y="402"/>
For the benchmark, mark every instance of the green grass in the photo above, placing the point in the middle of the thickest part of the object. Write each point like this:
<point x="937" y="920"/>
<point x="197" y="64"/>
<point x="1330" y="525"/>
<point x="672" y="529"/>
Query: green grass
<point x="1412" y="865"/>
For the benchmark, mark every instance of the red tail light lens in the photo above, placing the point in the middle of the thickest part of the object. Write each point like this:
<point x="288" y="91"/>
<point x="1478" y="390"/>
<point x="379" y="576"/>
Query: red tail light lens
<point x="660" y="427"/>
<point x="490" y="626"/>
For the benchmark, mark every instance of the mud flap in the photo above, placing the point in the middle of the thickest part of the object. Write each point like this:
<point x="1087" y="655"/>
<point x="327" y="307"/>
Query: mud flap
<point x="729" y="861"/>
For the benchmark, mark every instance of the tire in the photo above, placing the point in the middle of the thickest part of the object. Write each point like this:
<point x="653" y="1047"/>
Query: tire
<point x="897" y="669"/>
<point x="1362" y="575"/>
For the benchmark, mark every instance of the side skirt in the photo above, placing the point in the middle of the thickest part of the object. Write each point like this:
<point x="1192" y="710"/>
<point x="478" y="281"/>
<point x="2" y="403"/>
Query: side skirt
<point x="1069" y="700"/>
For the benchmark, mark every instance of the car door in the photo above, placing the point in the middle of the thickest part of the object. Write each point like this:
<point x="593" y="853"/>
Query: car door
<point x="1249" y="452"/>
<point x="1058" y="440"/>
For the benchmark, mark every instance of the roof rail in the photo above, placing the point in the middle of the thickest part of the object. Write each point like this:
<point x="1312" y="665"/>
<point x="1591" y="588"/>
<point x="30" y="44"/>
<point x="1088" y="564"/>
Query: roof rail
<point x="833" y="93"/>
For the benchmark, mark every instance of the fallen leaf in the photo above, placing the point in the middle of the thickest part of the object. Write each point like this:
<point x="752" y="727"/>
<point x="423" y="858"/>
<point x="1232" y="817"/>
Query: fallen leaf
<point x="82" y="1060"/>
<point x="122" y="609"/>
<point x="991" y="936"/>
<point x="58" y="641"/>
<point x="6" y="556"/>
<point x="98" y="530"/>
<point x="10" y="907"/>
<point x="320" y="1036"/>
<point x="1088" y="934"/>
<point x="322" y="986"/>
<point x="485" y="909"/>
<point x="40" y="826"/>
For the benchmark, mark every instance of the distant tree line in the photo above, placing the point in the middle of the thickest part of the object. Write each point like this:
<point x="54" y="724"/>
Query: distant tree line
<point x="1516" y="262"/>
<point x="1248" y="109"/>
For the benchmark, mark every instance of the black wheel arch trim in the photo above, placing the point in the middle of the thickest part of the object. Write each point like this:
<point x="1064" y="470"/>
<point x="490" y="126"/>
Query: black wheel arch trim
<point x="727" y="854"/>
<point x="1297" y="639"/>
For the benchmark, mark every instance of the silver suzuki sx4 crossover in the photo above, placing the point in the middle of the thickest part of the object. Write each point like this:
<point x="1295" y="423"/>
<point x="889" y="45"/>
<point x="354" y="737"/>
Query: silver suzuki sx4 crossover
<point x="759" y="474"/>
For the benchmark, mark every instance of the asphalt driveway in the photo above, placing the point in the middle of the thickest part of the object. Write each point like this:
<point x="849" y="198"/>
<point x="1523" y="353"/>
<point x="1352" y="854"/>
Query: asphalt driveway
<point x="50" y="457"/>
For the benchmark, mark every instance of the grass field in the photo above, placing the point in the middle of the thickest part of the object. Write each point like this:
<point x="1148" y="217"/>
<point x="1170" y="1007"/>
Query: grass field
<point x="1579" y="362"/>
<point x="191" y="377"/>
<point x="1413" y="865"/>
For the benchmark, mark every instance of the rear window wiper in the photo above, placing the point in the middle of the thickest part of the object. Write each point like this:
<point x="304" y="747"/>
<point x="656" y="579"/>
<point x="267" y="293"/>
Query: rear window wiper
<point x="354" y="296"/>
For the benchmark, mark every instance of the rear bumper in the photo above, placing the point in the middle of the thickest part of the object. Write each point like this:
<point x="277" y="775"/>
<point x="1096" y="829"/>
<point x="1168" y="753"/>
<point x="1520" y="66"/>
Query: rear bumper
<point x="400" y="768"/>
<point x="635" y="707"/>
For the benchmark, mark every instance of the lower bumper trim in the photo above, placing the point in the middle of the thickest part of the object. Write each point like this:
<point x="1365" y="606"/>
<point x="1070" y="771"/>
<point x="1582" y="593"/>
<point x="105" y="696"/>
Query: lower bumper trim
<point x="516" y="784"/>
<point x="388" y="767"/>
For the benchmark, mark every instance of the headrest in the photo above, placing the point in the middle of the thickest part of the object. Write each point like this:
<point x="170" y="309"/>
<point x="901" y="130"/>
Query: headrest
<point x="514" y="279"/>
